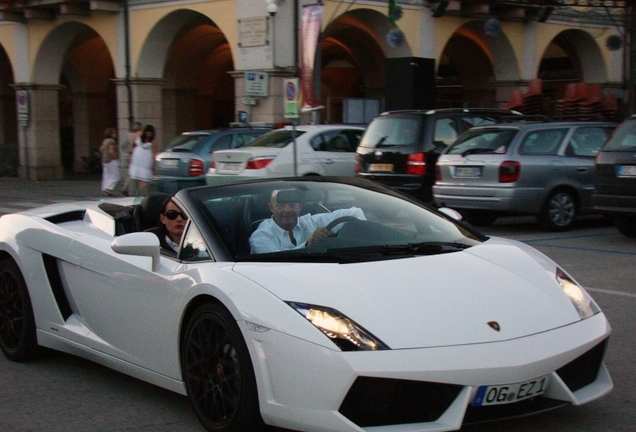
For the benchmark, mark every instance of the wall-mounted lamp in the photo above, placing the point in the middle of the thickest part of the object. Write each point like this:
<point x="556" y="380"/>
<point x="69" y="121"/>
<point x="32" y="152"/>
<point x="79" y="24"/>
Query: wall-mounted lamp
<point x="439" y="8"/>
<point x="272" y="6"/>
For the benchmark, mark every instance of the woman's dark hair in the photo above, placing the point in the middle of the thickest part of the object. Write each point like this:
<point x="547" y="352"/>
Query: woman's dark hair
<point x="148" y="128"/>
<point x="163" y="207"/>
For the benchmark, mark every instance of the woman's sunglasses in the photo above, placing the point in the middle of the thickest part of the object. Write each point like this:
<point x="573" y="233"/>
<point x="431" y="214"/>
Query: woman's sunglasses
<point x="172" y="215"/>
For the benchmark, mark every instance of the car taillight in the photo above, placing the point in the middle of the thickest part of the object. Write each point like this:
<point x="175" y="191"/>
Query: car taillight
<point x="509" y="171"/>
<point x="358" y="165"/>
<point x="438" y="173"/>
<point x="259" y="163"/>
<point x="416" y="164"/>
<point x="212" y="164"/>
<point x="196" y="168"/>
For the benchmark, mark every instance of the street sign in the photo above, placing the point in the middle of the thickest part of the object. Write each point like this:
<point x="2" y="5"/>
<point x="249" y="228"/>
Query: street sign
<point x="249" y="101"/>
<point x="256" y="83"/>
<point x="22" y="98"/>
<point x="290" y="97"/>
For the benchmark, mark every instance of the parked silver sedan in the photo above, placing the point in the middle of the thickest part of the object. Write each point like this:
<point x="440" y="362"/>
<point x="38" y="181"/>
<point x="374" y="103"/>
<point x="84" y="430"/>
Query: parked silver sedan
<point x="538" y="168"/>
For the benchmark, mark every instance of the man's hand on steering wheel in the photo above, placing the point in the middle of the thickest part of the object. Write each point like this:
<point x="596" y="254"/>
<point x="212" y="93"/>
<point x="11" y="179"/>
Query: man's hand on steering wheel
<point x="320" y="234"/>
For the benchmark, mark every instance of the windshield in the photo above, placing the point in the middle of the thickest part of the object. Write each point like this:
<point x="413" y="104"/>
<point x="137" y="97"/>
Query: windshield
<point x="275" y="139"/>
<point x="185" y="142"/>
<point x="392" y="131"/>
<point x="354" y="223"/>
<point x="495" y="141"/>
<point x="624" y="138"/>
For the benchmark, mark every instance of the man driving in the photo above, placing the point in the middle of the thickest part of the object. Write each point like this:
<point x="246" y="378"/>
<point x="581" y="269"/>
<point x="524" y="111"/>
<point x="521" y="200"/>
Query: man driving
<point x="288" y="230"/>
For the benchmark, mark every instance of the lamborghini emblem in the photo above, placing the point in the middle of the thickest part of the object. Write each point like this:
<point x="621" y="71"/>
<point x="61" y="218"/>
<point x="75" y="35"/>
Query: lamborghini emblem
<point x="494" y="325"/>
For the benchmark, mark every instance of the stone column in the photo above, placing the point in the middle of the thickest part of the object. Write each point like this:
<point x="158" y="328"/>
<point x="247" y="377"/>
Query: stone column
<point x="39" y="140"/>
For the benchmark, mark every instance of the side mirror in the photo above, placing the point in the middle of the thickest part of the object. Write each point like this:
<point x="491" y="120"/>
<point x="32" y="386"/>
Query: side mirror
<point x="454" y="214"/>
<point x="141" y="244"/>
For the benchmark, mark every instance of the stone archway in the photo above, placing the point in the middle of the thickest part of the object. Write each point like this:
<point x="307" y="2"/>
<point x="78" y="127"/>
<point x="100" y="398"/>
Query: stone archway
<point x="573" y="55"/>
<point x="73" y="90"/>
<point x="353" y="51"/>
<point x="8" y="121"/>
<point x="472" y="68"/>
<point x="192" y="57"/>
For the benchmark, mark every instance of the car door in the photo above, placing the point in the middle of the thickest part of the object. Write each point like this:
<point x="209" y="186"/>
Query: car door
<point x="124" y="309"/>
<point x="582" y="147"/>
<point x="336" y="151"/>
<point x="542" y="168"/>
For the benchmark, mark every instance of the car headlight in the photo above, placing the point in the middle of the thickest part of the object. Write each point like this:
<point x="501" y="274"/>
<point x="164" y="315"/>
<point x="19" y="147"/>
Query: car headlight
<point x="342" y="331"/>
<point x="581" y="300"/>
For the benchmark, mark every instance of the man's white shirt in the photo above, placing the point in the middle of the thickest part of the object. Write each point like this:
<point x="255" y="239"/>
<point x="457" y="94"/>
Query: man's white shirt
<point x="269" y="237"/>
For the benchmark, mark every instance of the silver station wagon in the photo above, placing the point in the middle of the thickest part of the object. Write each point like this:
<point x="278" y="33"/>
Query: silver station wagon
<point x="530" y="167"/>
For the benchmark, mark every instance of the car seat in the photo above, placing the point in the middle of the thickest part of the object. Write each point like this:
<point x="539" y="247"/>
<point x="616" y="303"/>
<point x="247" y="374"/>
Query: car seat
<point x="146" y="214"/>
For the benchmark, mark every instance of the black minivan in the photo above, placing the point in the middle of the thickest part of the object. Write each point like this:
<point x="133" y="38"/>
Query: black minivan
<point x="400" y="148"/>
<point x="615" y="184"/>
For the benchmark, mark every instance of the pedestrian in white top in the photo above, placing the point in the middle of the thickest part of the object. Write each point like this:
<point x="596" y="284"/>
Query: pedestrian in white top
<point x="110" y="161"/>
<point x="142" y="158"/>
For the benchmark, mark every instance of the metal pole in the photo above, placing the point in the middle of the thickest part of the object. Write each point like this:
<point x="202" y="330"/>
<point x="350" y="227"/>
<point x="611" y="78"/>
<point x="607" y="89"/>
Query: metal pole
<point x="127" y="66"/>
<point x="631" y="49"/>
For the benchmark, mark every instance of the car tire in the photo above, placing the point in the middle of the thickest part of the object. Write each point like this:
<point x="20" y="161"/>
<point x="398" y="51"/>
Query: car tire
<point x="18" y="339"/>
<point x="559" y="211"/>
<point x="626" y="225"/>
<point x="218" y="372"/>
<point x="480" y="217"/>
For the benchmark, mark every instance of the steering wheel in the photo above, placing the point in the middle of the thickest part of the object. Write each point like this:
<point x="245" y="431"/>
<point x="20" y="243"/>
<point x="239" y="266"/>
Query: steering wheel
<point x="339" y="220"/>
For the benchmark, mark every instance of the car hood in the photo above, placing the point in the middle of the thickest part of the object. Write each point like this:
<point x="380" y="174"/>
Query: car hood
<point x="431" y="301"/>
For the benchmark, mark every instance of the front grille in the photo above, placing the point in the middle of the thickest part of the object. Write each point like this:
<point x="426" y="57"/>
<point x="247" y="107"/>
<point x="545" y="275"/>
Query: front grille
<point x="382" y="401"/>
<point x="583" y="370"/>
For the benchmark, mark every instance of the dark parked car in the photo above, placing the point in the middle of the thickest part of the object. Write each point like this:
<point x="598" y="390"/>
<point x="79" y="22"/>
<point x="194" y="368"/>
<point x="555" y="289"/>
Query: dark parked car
<point x="534" y="168"/>
<point x="189" y="154"/>
<point x="400" y="148"/>
<point x="615" y="183"/>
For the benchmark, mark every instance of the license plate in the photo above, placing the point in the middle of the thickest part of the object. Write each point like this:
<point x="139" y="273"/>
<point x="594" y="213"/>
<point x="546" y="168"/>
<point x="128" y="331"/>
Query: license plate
<point x="627" y="171"/>
<point x="232" y="167"/>
<point x="170" y="163"/>
<point x="510" y="393"/>
<point x="467" y="172"/>
<point x="381" y="167"/>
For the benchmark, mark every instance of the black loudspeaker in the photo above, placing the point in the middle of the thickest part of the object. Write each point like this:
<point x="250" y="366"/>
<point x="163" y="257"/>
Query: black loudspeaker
<point x="439" y="9"/>
<point x="410" y="83"/>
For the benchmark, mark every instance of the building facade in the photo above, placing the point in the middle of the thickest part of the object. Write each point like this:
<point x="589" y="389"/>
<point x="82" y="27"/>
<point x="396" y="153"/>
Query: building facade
<point x="69" y="69"/>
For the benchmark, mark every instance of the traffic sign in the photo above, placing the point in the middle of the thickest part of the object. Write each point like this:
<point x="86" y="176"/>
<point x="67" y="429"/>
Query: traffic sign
<point x="22" y="98"/>
<point x="256" y="83"/>
<point x="290" y="94"/>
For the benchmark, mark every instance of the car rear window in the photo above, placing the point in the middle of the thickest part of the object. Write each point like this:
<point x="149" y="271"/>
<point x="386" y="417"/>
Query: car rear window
<point x="624" y="139"/>
<point x="275" y="139"/>
<point x="494" y="141"/>
<point x="185" y="143"/>
<point x="392" y="131"/>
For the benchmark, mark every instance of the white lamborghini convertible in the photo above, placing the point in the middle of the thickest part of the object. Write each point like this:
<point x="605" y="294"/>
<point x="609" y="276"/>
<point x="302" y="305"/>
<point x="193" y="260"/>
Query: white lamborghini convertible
<point x="401" y="319"/>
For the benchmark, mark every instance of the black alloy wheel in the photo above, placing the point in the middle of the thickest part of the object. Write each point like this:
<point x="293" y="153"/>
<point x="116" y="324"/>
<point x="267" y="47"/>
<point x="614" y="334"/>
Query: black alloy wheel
<point x="18" y="339"/>
<point x="559" y="211"/>
<point x="218" y="372"/>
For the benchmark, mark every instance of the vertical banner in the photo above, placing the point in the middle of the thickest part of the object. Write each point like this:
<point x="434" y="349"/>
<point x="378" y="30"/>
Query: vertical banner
<point x="310" y="33"/>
